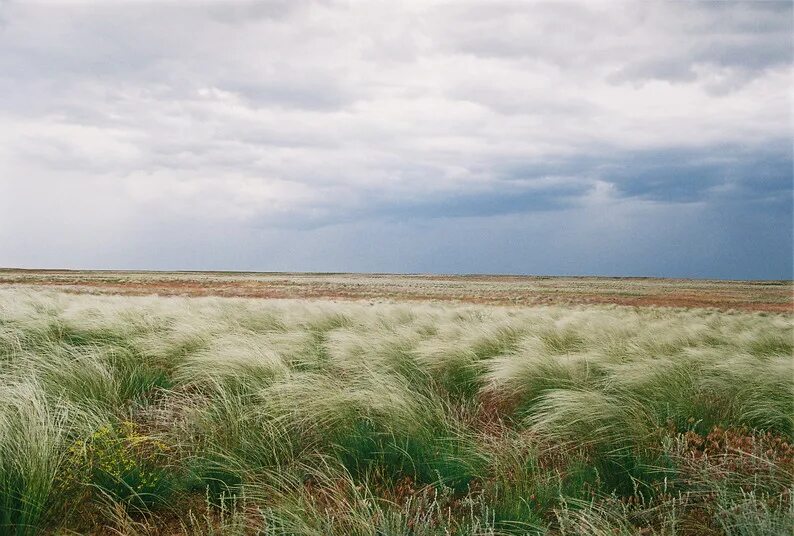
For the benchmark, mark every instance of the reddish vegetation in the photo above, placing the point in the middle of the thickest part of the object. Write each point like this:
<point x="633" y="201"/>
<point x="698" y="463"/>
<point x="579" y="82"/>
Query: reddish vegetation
<point x="769" y="296"/>
<point x="738" y="452"/>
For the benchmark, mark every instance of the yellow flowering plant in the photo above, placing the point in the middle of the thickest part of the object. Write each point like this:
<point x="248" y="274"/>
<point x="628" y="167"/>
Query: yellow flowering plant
<point x="122" y="462"/>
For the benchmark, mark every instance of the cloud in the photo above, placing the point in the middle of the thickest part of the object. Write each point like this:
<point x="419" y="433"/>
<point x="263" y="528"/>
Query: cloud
<point x="305" y="116"/>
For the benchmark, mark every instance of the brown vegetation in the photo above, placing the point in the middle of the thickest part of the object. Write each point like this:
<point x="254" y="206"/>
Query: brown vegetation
<point x="768" y="296"/>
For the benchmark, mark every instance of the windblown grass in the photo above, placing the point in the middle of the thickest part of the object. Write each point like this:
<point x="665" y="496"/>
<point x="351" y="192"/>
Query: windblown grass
<point x="233" y="416"/>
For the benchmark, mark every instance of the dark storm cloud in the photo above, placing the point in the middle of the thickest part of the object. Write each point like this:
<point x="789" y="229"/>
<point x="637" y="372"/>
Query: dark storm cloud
<point x="686" y="175"/>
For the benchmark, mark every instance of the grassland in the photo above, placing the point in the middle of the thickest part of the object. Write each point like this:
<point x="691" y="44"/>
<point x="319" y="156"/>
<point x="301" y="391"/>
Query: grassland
<point x="218" y="415"/>
<point x="770" y="296"/>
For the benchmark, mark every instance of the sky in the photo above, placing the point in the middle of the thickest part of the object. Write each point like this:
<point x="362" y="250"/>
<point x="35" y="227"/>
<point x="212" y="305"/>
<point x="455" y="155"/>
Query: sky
<point x="597" y="138"/>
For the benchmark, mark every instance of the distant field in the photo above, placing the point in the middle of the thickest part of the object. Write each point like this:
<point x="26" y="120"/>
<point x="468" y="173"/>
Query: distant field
<point x="772" y="296"/>
<point x="146" y="415"/>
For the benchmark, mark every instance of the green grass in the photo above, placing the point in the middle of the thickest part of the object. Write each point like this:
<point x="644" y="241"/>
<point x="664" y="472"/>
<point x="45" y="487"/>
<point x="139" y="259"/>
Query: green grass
<point x="233" y="416"/>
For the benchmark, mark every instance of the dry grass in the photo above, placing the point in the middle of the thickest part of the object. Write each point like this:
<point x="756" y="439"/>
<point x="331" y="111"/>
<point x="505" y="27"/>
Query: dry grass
<point x="169" y="415"/>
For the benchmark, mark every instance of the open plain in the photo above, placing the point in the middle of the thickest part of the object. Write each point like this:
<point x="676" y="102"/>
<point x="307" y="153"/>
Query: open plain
<point x="771" y="296"/>
<point x="198" y="403"/>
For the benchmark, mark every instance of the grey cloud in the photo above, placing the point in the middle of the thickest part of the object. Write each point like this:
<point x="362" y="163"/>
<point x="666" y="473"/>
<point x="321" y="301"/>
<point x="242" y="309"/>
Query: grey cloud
<point x="746" y="37"/>
<point x="670" y="69"/>
<point x="311" y="91"/>
<point x="650" y="40"/>
<point x="247" y="11"/>
<point x="315" y="120"/>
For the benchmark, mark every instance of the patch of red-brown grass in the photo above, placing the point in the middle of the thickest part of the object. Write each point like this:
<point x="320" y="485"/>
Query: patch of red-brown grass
<point x="737" y="453"/>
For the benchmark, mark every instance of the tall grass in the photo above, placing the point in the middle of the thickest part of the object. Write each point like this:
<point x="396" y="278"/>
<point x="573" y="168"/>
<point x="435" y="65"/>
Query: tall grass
<point x="241" y="416"/>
